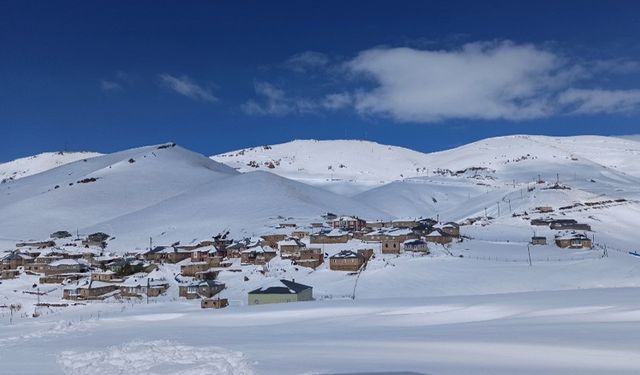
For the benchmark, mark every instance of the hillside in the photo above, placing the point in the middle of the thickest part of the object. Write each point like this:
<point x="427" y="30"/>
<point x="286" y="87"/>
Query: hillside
<point x="31" y="165"/>
<point x="355" y="166"/>
<point x="162" y="191"/>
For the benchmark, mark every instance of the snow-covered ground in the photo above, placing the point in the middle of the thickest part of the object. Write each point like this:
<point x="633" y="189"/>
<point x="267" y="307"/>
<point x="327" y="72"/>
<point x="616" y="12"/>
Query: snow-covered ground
<point x="589" y="331"/>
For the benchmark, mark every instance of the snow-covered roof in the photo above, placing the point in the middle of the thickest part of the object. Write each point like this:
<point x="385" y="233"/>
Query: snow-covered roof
<point x="68" y="262"/>
<point x="259" y="249"/>
<point x="346" y="254"/>
<point x="280" y="287"/>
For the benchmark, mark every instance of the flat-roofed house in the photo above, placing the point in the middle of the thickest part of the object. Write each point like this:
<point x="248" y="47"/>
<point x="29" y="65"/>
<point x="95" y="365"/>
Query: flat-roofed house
<point x="282" y="291"/>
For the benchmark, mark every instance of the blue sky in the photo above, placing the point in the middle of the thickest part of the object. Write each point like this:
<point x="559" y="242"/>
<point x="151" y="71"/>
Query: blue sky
<point x="216" y="76"/>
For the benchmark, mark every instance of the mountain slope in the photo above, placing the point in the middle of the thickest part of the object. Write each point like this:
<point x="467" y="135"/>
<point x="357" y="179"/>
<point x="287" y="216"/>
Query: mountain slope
<point x="354" y="166"/>
<point x="341" y="166"/>
<point x="31" y="165"/>
<point x="156" y="190"/>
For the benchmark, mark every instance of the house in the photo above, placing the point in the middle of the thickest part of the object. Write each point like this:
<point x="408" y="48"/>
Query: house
<point x="300" y="234"/>
<point x="290" y="247"/>
<point x="416" y="246"/>
<point x="96" y="239"/>
<point x="211" y="303"/>
<point x="346" y="260"/>
<point x="282" y="291"/>
<point x="137" y="285"/>
<point x="106" y="276"/>
<point x="452" y="229"/>
<point x="570" y="226"/>
<point x="125" y="267"/>
<point x="257" y="255"/>
<point x="404" y="223"/>
<point x="167" y="254"/>
<point x="202" y="254"/>
<point x="209" y="274"/>
<point x="348" y="223"/>
<point x="287" y="225"/>
<point x="309" y="257"/>
<point x="191" y="269"/>
<point x="438" y="236"/>
<point x="573" y="240"/>
<point x="200" y="289"/>
<point x="9" y="274"/>
<point x="544" y="209"/>
<point x="272" y="239"/>
<point x="15" y="259"/>
<point x="66" y="266"/>
<point x="538" y="240"/>
<point x="37" y="245"/>
<point x="89" y="290"/>
<point x="332" y="236"/>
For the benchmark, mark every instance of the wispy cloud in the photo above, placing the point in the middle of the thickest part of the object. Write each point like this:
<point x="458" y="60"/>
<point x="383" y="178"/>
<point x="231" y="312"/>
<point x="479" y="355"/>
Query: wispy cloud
<point x="106" y="85"/>
<point x="184" y="86"/>
<point x="305" y="61"/>
<point x="591" y="101"/>
<point x="276" y="102"/>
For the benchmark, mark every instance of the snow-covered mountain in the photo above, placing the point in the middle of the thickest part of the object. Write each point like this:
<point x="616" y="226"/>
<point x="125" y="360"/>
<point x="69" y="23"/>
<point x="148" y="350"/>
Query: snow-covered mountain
<point x="163" y="191"/>
<point x="173" y="194"/>
<point x="342" y="166"/>
<point x="31" y="165"/>
<point x="350" y="167"/>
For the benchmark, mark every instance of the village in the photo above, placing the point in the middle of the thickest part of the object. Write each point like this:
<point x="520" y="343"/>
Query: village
<point x="87" y="270"/>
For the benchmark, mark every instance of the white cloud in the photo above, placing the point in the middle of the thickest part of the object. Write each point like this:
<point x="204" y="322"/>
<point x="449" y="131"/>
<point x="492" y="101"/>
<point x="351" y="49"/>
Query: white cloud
<point x="498" y="80"/>
<point x="591" y="101"/>
<point x="184" y="86"/>
<point x="106" y="85"/>
<point x="477" y="81"/>
<point x="305" y="61"/>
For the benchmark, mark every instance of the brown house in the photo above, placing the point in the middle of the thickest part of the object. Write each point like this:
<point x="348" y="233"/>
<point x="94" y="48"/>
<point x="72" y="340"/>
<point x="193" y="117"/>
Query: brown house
<point x="200" y="289"/>
<point x="334" y="236"/>
<point x="272" y="239"/>
<point x="258" y="255"/>
<point x="574" y="241"/>
<point x="346" y="260"/>
<point x="290" y="247"/>
<point x="309" y="257"/>
<point x="451" y="228"/>
<point x="348" y="223"/>
<point x="192" y="268"/>
<point x="438" y="236"/>
<point x="89" y="291"/>
<point x="210" y="303"/>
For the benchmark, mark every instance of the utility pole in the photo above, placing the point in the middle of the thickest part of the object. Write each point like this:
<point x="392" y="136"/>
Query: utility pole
<point x="148" y="284"/>
<point x="509" y="205"/>
<point x="485" y="213"/>
<point x="150" y="243"/>
<point x="529" y="252"/>
<point x="498" y="209"/>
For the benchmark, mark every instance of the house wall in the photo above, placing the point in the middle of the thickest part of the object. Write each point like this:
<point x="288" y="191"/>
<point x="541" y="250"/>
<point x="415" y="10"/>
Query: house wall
<point x="261" y="299"/>
<point x="329" y="239"/>
<point x="438" y="239"/>
<point x="348" y="264"/>
<point x="391" y="246"/>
